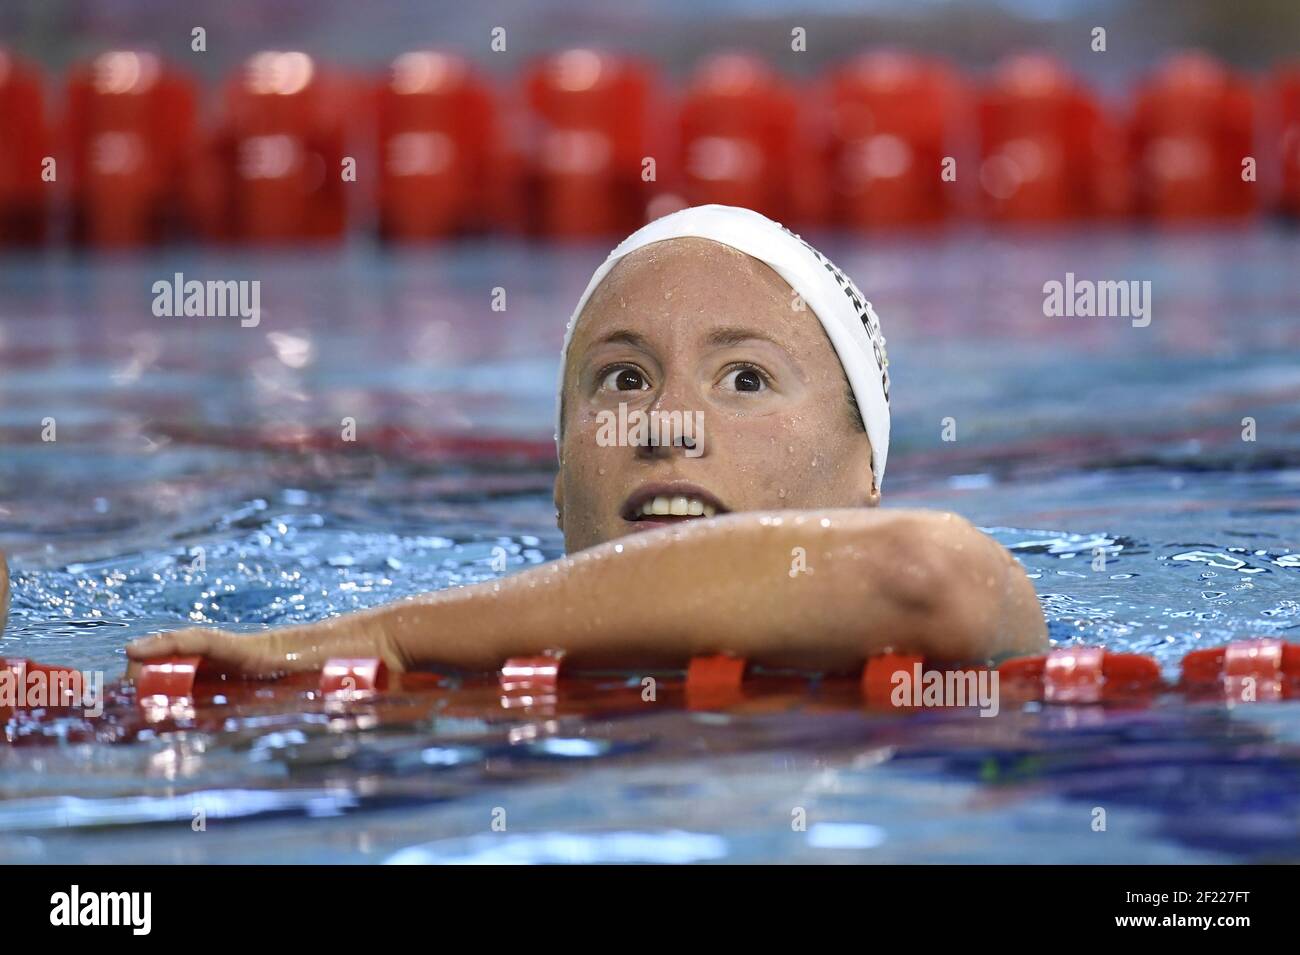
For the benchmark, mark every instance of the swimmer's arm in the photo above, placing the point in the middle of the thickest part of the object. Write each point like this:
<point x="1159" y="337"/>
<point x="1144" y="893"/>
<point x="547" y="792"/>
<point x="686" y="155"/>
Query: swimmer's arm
<point x="918" y="581"/>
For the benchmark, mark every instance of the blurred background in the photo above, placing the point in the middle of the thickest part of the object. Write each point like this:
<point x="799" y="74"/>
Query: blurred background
<point x="568" y="119"/>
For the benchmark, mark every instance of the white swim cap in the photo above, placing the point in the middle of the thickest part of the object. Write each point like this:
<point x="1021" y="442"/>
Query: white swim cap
<point x="850" y="322"/>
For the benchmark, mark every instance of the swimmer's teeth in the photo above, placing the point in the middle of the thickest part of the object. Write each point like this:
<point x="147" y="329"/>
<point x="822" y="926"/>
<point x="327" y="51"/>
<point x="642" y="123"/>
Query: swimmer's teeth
<point x="677" y="506"/>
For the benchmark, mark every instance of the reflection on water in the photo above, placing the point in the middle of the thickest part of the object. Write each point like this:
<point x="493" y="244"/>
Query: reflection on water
<point x="200" y="476"/>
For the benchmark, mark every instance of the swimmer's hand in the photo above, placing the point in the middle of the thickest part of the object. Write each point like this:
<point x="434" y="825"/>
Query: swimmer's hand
<point x="269" y="654"/>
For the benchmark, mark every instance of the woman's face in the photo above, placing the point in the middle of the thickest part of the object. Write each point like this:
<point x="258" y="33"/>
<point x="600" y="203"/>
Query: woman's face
<point x="696" y="327"/>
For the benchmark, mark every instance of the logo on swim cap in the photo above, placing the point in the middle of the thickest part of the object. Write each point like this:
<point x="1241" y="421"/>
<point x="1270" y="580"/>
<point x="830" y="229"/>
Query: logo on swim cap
<point x="861" y="307"/>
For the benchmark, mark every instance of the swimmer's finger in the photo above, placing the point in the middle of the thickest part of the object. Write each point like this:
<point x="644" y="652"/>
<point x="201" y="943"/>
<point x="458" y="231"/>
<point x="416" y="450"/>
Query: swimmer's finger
<point x="149" y="648"/>
<point x="250" y="655"/>
<point x="226" y="650"/>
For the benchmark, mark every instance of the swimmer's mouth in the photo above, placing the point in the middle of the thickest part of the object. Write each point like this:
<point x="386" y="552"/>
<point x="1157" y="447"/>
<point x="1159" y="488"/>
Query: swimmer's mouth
<point x="669" y="503"/>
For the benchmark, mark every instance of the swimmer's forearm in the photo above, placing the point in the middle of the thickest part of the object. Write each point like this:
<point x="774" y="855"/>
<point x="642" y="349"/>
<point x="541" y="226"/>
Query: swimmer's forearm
<point x="867" y="581"/>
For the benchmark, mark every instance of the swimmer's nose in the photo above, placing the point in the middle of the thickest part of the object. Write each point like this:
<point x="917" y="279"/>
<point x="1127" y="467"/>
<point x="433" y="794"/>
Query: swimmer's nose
<point x="676" y="425"/>
<point x="671" y="437"/>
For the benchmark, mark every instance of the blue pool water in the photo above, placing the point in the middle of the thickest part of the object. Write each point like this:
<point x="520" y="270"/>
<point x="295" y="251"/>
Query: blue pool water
<point x="1076" y="439"/>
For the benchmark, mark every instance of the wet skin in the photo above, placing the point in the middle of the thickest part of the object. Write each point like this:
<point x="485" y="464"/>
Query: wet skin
<point x="797" y="568"/>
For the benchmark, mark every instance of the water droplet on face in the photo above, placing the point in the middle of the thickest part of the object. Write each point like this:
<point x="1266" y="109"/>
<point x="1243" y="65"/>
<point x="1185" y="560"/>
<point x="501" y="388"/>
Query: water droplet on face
<point x="600" y="471"/>
<point x="781" y="494"/>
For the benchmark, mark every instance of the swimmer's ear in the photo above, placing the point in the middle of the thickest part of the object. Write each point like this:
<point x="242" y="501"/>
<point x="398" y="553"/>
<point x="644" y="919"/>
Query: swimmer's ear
<point x="863" y="466"/>
<point x="559" y="504"/>
<point x="873" y="495"/>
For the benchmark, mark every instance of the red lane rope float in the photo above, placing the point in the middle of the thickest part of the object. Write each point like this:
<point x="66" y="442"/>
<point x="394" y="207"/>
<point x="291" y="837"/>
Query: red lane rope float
<point x="530" y="673"/>
<point x="711" y="681"/>
<point x="171" y="677"/>
<point x="878" y="676"/>
<point x="1251" y="670"/>
<point x="528" y="682"/>
<point x="1245" y="670"/>
<point x="719" y="672"/>
<point x="351" y="677"/>
<point x="714" y="682"/>
<point x="177" y="678"/>
<point x="1083" y="675"/>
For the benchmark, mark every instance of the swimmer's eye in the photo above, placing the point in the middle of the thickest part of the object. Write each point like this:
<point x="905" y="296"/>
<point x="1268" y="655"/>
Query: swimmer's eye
<point x="745" y="378"/>
<point x="624" y="378"/>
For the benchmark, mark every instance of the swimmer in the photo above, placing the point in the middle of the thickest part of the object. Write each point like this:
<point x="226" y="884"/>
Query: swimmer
<point x="759" y="536"/>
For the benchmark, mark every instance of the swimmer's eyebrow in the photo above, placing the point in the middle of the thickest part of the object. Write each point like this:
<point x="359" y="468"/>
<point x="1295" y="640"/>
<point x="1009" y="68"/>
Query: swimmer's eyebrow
<point x="623" y="336"/>
<point x="730" y="335"/>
